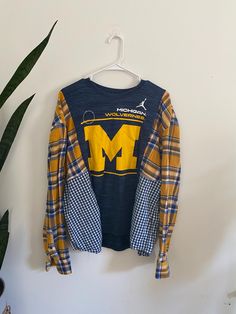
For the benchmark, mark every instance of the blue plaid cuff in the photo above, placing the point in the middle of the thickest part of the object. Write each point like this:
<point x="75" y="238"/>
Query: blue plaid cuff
<point x="63" y="265"/>
<point x="162" y="267"/>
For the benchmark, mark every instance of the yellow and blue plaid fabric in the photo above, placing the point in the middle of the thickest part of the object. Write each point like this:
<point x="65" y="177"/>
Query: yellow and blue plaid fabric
<point x="64" y="161"/>
<point x="161" y="160"/>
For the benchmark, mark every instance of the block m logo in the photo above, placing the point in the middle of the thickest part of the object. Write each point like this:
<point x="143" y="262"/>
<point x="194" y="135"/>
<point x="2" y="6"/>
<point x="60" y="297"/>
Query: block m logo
<point x="99" y="140"/>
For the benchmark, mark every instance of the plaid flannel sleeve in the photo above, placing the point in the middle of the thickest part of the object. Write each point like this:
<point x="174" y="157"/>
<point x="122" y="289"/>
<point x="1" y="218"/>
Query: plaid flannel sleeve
<point x="54" y="230"/>
<point x="170" y="169"/>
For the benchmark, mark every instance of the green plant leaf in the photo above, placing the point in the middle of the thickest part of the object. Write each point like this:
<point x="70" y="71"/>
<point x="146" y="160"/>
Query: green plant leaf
<point x="4" y="235"/>
<point x="11" y="130"/>
<point x="4" y="221"/>
<point x="24" y="68"/>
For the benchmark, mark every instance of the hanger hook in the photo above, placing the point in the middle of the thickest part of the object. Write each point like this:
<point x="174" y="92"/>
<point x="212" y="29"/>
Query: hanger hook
<point x="121" y="38"/>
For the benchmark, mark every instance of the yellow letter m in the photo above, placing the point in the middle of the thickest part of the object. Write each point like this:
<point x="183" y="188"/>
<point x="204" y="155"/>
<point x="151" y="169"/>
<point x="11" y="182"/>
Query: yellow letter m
<point x="99" y="140"/>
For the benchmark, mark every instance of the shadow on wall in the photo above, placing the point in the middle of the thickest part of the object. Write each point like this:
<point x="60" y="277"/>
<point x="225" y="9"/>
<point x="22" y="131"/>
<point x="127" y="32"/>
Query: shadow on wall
<point x="203" y="220"/>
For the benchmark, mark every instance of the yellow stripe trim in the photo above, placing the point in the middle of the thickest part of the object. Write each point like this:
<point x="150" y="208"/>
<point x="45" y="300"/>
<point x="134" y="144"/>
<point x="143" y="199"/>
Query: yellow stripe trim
<point x="109" y="172"/>
<point x="111" y="119"/>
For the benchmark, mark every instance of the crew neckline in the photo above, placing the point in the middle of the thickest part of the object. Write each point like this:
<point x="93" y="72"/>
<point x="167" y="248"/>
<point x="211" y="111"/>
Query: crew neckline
<point x="112" y="90"/>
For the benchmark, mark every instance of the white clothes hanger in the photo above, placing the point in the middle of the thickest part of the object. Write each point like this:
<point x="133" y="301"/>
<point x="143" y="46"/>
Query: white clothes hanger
<point x="116" y="66"/>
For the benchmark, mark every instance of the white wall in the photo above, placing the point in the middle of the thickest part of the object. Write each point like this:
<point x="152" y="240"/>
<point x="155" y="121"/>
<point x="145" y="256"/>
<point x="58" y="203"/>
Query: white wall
<point x="187" y="47"/>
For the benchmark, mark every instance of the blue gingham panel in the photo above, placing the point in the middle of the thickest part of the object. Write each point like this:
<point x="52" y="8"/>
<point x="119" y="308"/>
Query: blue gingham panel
<point x="82" y="214"/>
<point x="145" y="217"/>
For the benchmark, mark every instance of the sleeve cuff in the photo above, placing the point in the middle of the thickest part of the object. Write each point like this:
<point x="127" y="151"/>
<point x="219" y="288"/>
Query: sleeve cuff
<point x="63" y="265"/>
<point x="162" y="267"/>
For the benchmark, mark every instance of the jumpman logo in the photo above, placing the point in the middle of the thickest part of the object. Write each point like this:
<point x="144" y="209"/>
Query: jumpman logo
<point x="142" y="104"/>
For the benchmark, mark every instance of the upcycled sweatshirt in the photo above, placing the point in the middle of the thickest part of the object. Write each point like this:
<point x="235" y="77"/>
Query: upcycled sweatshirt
<point x="113" y="172"/>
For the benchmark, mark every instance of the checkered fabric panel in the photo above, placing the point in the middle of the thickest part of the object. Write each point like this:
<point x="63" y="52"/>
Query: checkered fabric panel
<point x="82" y="214"/>
<point x="145" y="218"/>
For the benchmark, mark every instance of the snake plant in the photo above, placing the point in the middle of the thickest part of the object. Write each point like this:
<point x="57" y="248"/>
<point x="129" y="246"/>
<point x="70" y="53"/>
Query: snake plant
<point x="12" y="127"/>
